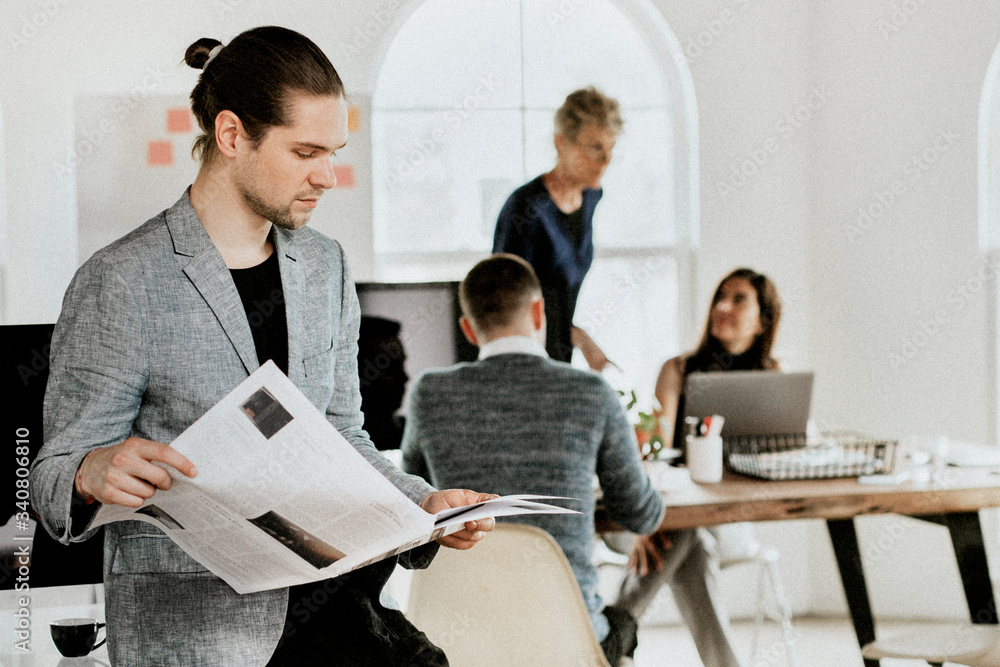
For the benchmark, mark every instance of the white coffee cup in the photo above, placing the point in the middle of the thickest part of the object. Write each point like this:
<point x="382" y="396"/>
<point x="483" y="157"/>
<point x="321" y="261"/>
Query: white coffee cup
<point x="704" y="458"/>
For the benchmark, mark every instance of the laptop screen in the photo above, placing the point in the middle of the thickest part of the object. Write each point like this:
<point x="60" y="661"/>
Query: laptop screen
<point x="753" y="402"/>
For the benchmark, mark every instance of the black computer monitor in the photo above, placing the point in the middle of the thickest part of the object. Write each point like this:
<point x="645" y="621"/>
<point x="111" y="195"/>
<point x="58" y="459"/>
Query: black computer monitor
<point x="428" y="315"/>
<point x="25" y="349"/>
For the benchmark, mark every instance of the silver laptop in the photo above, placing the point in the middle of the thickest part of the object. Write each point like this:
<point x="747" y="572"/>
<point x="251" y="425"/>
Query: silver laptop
<point x="753" y="402"/>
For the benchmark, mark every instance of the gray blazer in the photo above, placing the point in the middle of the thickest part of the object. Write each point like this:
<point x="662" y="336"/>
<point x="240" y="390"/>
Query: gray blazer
<point x="152" y="333"/>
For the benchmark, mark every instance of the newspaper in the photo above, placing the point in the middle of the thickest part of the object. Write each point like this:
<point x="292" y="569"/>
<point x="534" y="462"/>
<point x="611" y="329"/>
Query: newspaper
<point x="282" y="498"/>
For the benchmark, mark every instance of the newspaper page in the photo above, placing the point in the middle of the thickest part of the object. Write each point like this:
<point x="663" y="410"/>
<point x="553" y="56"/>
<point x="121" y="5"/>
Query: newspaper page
<point x="282" y="498"/>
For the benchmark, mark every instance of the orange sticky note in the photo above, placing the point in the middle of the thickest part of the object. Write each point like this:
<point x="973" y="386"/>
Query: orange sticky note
<point x="353" y="119"/>
<point x="178" y="120"/>
<point x="344" y="174"/>
<point x="159" y="153"/>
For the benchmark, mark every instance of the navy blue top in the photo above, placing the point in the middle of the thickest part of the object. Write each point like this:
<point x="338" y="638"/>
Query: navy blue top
<point x="531" y="226"/>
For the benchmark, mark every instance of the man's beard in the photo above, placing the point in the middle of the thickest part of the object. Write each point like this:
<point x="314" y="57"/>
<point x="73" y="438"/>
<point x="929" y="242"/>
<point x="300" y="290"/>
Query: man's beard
<point x="281" y="217"/>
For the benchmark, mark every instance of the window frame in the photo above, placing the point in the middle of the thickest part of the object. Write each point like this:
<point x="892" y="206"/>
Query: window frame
<point x="681" y="101"/>
<point x="988" y="169"/>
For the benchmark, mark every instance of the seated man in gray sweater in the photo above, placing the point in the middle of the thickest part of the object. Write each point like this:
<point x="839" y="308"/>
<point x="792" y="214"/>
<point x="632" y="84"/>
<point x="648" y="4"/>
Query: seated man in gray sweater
<point x="516" y="421"/>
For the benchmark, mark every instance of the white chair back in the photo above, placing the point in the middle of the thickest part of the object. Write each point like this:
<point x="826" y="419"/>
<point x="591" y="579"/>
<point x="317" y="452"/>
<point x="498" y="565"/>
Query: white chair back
<point x="510" y="601"/>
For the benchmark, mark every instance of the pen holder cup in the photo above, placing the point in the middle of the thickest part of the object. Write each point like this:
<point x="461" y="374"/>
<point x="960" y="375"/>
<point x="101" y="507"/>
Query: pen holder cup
<point x="704" y="458"/>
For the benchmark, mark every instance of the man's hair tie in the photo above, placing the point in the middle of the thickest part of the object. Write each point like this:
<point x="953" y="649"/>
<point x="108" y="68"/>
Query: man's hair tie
<point x="211" y="56"/>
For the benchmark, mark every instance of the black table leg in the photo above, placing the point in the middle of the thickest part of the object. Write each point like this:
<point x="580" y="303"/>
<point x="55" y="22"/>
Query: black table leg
<point x="852" y="576"/>
<point x="967" y="540"/>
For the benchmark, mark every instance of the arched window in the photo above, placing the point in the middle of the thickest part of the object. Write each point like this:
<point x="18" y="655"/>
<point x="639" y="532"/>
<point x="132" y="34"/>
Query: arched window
<point x="989" y="212"/>
<point x="989" y="158"/>
<point x="463" y="110"/>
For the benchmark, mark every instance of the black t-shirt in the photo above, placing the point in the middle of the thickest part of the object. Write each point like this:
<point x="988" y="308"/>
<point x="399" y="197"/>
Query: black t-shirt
<point x="264" y="303"/>
<point x="574" y="226"/>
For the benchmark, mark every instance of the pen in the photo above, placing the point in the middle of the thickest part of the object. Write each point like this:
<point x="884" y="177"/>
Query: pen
<point x="715" y="424"/>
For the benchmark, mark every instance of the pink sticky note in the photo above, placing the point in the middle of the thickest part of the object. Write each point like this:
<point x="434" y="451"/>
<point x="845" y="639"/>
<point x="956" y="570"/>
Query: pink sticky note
<point x="178" y="120"/>
<point x="344" y="174"/>
<point x="159" y="153"/>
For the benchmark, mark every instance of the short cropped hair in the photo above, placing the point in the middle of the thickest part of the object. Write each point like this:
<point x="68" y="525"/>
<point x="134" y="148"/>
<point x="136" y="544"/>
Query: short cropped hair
<point x="496" y="290"/>
<point x="587" y="106"/>
<point x="253" y="76"/>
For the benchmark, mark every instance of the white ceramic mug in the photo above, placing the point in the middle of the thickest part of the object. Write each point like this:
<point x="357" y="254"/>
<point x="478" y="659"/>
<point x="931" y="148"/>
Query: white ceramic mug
<point x="704" y="458"/>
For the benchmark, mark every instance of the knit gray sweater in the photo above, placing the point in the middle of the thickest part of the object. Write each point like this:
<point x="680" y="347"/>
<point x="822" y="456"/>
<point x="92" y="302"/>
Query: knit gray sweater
<point x="520" y="423"/>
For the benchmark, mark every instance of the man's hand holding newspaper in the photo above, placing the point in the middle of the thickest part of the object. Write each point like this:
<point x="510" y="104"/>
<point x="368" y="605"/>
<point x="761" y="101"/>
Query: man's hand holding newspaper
<point x="301" y="504"/>
<point x="474" y="530"/>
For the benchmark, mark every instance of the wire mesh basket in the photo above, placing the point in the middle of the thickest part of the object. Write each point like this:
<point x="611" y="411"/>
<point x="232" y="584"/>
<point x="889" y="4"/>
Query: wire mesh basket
<point x="796" y="456"/>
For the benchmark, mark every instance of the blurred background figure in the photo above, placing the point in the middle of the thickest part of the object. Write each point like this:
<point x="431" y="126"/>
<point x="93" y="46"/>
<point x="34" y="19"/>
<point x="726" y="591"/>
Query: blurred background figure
<point x="739" y="334"/>
<point x="381" y="360"/>
<point x="549" y="220"/>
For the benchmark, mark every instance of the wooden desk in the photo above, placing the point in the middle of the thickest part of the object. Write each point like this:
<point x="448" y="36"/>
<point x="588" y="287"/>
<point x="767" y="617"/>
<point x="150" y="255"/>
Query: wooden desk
<point x="954" y="502"/>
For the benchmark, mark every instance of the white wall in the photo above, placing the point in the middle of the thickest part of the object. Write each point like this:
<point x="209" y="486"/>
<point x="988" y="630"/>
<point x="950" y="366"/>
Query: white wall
<point x="51" y="51"/>
<point x="879" y="96"/>
<point x="751" y="67"/>
<point x="903" y="85"/>
<point x="884" y="95"/>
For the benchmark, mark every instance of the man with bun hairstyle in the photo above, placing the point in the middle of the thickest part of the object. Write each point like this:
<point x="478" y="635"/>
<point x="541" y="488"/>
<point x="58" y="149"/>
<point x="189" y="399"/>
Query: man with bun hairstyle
<point x="529" y="424"/>
<point x="161" y="324"/>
